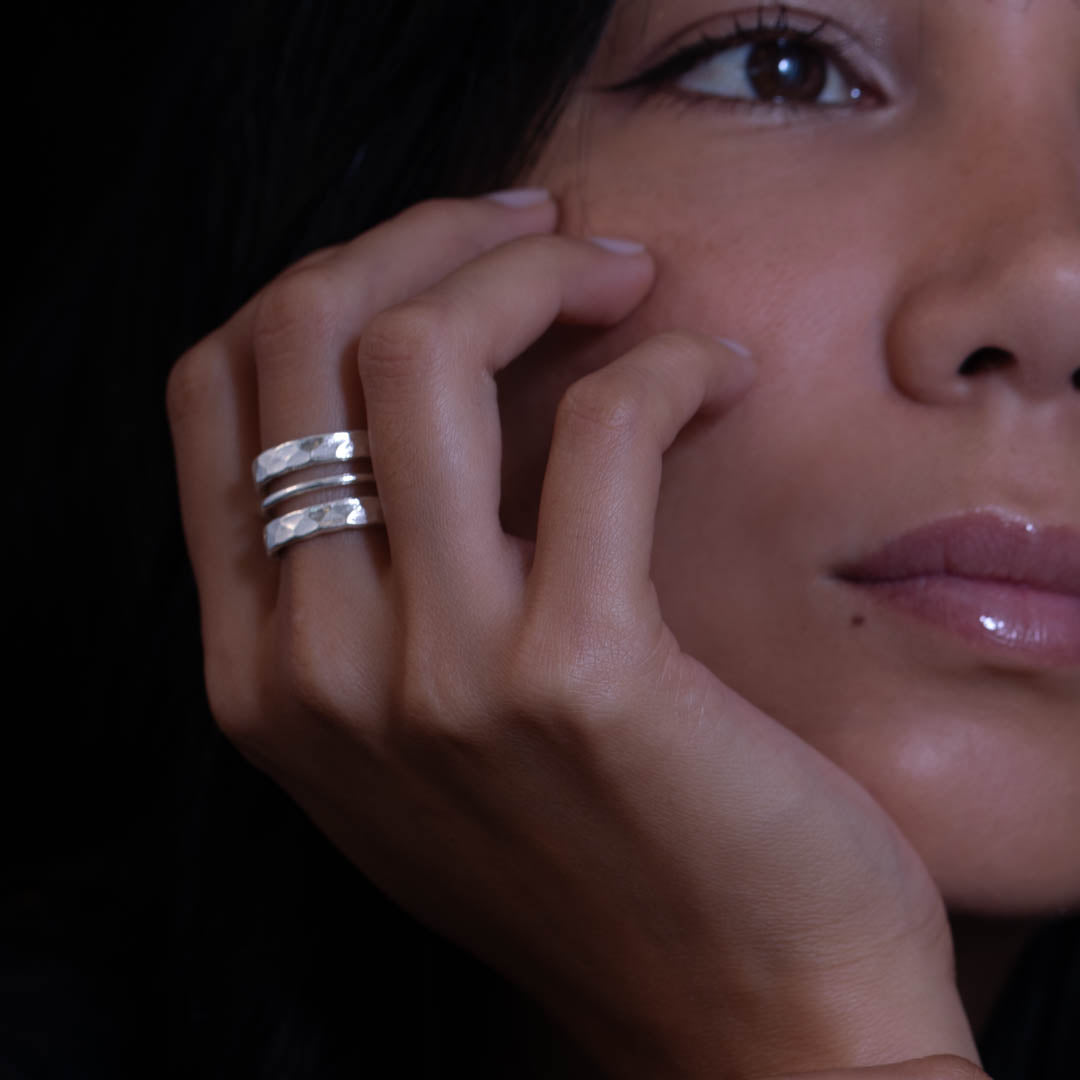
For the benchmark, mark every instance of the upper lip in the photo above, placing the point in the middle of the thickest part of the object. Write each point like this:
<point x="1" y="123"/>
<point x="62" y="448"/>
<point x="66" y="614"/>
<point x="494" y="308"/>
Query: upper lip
<point x="982" y="546"/>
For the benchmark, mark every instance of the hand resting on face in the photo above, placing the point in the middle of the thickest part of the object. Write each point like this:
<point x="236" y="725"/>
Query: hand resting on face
<point x="504" y="735"/>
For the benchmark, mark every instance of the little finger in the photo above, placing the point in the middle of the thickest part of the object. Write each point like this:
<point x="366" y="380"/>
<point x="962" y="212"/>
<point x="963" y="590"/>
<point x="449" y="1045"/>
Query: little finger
<point x="214" y="424"/>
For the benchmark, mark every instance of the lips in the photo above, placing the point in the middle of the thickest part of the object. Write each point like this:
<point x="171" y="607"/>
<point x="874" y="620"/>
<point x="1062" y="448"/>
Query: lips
<point x="981" y="547"/>
<point x="999" y="583"/>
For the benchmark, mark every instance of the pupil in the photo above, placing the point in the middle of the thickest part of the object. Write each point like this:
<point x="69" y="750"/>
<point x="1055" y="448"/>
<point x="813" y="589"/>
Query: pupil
<point x="787" y="71"/>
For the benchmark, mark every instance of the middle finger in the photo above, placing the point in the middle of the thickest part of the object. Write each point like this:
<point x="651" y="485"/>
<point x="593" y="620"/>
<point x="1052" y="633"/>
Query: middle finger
<point x="428" y="372"/>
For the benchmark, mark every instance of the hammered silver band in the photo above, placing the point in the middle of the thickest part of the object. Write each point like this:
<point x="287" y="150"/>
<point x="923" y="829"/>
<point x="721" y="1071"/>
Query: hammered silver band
<point x="333" y="447"/>
<point x="287" y="457"/>
<point x="320" y="519"/>
<point x="308" y="486"/>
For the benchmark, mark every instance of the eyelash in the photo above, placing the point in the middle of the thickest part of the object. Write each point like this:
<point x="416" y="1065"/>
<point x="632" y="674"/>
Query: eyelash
<point x="771" y="25"/>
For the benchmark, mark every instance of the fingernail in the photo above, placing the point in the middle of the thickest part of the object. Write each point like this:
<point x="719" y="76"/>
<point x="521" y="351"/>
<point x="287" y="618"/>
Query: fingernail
<point x="520" y="198"/>
<point x="617" y="246"/>
<point x="735" y="347"/>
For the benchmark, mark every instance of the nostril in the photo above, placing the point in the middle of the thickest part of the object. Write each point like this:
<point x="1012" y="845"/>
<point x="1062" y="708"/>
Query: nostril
<point x="987" y="359"/>
<point x="1076" y="379"/>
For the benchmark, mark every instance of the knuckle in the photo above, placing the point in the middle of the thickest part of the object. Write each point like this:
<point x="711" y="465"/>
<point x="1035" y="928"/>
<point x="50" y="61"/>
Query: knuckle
<point x="421" y="708"/>
<point x="543" y="247"/>
<point x="677" y="345"/>
<point x="446" y="696"/>
<point x="226" y="706"/>
<point x="429" y="721"/>
<point x="566" y="680"/>
<point x="434" y="683"/>
<point x="307" y="673"/>
<point x="232" y="704"/>
<point x="628" y="398"/>
<point x="404" y="339"/>
<point x="463" y="224"/>
<point x="434" y="214"/>
<point x="194" y="383"/>
<point x="242" y="726"/>
<point x="295" y="311"/>
<point x="612" y="408"/>
<point x="312" y="258"/>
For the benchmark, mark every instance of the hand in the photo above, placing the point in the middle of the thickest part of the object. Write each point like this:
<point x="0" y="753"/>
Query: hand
<point x="505" y="736"/>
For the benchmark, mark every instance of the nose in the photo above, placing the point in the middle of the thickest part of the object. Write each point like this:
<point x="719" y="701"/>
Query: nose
<point x="994" y="302"/>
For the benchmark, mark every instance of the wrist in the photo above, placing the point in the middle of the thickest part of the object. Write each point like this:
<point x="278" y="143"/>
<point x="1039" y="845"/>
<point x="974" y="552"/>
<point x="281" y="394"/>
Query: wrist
<point x="860" y="1020"/>
<point x="889" y="1008"/>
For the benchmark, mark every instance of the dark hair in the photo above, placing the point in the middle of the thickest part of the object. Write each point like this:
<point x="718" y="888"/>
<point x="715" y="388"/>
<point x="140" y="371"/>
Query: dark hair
<point x="173" y="914"/>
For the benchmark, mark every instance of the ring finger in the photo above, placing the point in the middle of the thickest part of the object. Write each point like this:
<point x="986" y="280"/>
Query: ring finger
<point x="306" y="327"/>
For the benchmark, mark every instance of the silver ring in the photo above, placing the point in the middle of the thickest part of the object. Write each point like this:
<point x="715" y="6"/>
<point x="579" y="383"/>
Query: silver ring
<point x="287" y="457"/>
<point x="324" y="482"/>
<point x="356" y="513"/>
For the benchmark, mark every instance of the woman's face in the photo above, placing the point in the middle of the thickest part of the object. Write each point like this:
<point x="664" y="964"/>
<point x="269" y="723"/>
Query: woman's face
<point x="914" y="200"/>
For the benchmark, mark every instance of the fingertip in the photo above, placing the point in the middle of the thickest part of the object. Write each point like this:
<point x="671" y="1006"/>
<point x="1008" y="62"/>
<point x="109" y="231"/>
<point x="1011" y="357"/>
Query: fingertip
<point x="523" y="211"/>
<point x="618" y="245"/>
<point x="736" y="347"/>
<point x="520" y="198"/>
<point x="734" y="376"/>
<point x="633" y="265"/>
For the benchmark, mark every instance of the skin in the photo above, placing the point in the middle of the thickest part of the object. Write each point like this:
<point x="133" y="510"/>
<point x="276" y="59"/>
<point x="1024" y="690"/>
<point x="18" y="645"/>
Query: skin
<point x="709" y="846"/>
<point x="860" y="279"/>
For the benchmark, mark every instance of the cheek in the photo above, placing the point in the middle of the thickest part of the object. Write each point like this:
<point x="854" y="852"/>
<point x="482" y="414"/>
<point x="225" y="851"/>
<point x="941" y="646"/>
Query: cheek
<point x="801" y="264"/>
<point x="765" y="256"/>
<point x="800" y="253"/>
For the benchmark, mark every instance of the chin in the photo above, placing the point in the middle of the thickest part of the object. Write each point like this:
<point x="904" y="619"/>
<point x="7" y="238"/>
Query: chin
<point x="971" y="747"/>
<point x="988" y="795"/>
<point x="975" y="757"/>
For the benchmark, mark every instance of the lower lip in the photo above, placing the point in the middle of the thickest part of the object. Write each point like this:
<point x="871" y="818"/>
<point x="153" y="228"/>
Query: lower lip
<point x="1016" y="620"/>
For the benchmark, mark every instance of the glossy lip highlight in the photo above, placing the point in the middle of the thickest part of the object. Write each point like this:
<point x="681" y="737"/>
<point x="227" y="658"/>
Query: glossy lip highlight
<point x="998" y="582"/>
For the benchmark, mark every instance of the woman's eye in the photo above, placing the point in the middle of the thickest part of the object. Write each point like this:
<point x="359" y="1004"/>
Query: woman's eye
<point x="778" y="71"/>
<point x="772" y="62"/>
